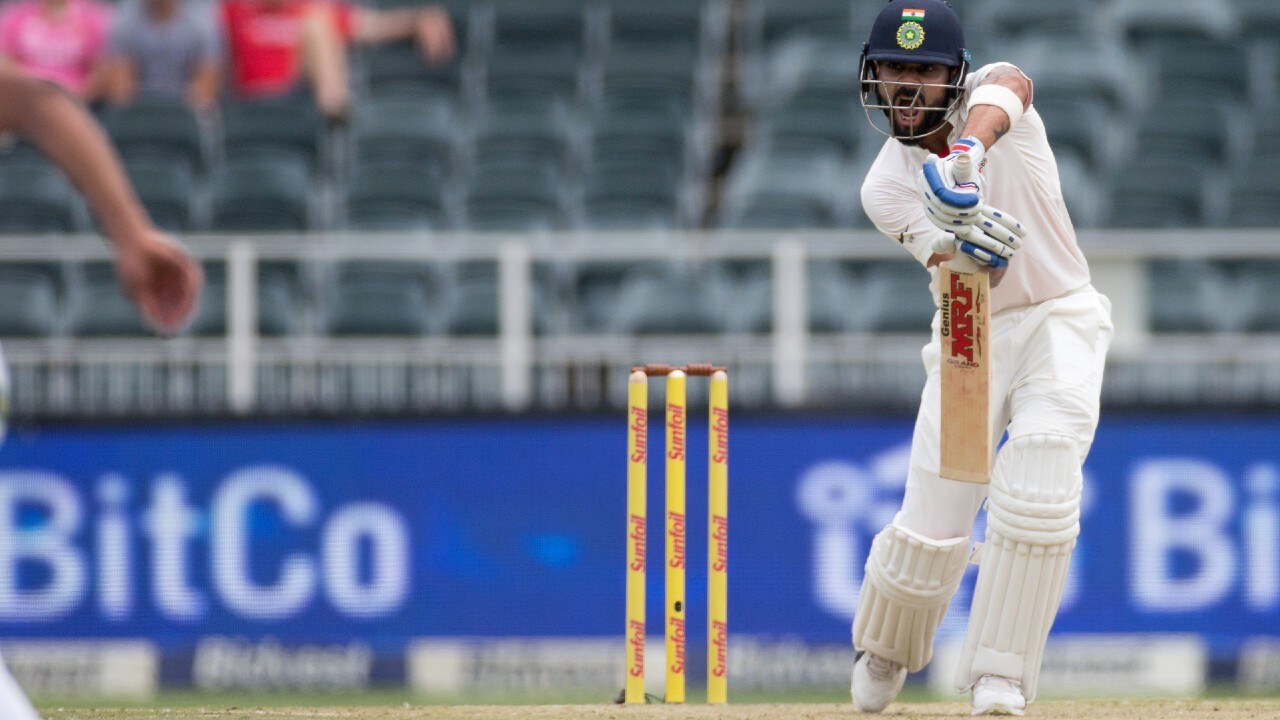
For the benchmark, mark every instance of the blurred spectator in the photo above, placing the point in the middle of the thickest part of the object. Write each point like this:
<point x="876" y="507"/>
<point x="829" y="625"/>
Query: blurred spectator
<point x="58" y="40"/>
<point x="273" y="44"/>
<point x="164" y="50"/>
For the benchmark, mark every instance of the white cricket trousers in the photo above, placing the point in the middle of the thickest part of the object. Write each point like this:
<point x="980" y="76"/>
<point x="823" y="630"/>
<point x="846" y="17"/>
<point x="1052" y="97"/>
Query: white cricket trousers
<point x="14" y="705"/>
<point x="1046" y="378"/>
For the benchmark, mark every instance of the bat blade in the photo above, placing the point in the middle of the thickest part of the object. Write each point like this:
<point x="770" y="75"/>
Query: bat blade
<point x="966" y="373"/>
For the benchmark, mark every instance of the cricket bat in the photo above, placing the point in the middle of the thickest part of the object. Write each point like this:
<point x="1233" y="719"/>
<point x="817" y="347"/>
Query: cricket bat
<point x="966" y="367"/>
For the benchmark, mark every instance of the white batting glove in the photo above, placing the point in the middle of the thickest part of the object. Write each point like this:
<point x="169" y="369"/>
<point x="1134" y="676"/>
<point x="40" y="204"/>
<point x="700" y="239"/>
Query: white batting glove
<point x="991" y="240"/>
<point x="952" y="187"/>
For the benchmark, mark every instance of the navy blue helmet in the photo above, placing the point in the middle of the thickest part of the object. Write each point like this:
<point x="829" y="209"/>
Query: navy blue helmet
<point x="925" y="32"/>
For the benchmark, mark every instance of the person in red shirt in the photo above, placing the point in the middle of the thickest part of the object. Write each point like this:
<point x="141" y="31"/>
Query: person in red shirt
<point x="272" y="45"/>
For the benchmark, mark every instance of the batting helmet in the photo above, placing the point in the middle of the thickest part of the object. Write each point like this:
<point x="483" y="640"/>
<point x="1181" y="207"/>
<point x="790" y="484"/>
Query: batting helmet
<point x="914" y="31"/>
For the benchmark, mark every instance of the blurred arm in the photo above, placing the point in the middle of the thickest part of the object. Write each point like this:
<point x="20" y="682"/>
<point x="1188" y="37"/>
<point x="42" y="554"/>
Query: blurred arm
<point x="153" y="270"/>
<point x="429" y="25"/>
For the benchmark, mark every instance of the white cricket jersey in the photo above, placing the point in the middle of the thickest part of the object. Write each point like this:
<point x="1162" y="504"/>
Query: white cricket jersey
<point x="1021" y="179"/>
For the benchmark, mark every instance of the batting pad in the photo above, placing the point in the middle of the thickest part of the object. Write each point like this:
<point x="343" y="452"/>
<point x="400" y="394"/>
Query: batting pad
<point x="1033" y="518"/>
<point x="908" y="583"/>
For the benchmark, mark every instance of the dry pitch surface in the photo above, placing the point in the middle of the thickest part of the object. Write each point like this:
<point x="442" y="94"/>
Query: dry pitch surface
<point x="1049" y="710"/>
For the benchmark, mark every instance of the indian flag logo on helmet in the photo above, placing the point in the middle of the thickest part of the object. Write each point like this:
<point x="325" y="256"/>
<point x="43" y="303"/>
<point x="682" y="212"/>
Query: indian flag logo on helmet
<point x="912" y="14"/>
<point x="910" y="35"/>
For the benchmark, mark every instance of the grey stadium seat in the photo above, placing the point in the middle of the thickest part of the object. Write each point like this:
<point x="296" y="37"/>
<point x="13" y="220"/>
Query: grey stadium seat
<point x="30" y="301"/>
<point x="1158" y="192"/>
<point x="155" y="129"/>
<point x="166" y="188"/>
<point x="35" y="197"/>
<point x="377" y="298"/>
<point x="286" y="127"/>
<point x="673" y="299"/>
<point x="265" y="194"/>
<point x="664" y="25"/>
<point x="402" y="129"/>
<point x="396" y="195"/>
<point x="99" y="307"/>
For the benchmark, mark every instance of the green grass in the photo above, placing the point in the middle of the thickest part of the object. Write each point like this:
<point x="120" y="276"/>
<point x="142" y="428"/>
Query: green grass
<point x="399" y="697"/>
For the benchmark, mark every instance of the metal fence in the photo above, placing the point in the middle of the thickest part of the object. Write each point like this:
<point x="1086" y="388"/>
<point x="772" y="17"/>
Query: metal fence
<point x="518" y="368"/>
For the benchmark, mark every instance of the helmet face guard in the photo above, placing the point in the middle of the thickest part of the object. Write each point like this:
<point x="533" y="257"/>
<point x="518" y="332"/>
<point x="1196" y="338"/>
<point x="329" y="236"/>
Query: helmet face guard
<point x="934" y="116"/>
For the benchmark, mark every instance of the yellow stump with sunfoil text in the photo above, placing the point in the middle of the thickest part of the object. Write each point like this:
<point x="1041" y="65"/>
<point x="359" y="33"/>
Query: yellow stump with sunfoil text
<point x="675" y="557"/>
<point x="637" y="462"/>
<point x="718" y="542"/>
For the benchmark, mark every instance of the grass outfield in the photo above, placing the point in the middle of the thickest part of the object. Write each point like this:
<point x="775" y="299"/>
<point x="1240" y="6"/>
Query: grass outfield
<point x="1221" y="704"/>
<point x="1049" y="710"/>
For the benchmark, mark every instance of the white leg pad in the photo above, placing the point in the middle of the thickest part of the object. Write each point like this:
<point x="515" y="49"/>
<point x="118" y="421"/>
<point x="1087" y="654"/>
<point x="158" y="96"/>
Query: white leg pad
<point x="908" y="583"/>
<point x="1033" y="519"/>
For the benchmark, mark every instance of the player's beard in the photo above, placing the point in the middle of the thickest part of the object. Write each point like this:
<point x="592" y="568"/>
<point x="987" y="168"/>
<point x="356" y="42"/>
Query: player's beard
<point x="929" y="121"/>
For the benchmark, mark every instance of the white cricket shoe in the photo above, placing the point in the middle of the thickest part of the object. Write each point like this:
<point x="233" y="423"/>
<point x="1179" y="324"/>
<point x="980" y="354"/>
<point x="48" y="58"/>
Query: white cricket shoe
<point x="876" y="682"/>
<point x="995" y="695"/>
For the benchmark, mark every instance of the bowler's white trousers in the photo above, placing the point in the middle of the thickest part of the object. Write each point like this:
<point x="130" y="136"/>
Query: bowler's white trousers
<point x="1046" y="378"/>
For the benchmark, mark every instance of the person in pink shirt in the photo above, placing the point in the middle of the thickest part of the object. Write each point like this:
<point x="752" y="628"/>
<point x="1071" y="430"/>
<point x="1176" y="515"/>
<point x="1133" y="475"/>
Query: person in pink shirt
<point x="62" y="41"/>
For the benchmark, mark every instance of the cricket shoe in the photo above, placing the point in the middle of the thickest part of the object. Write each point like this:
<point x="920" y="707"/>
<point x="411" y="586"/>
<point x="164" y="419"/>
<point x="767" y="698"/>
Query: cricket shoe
<point x="995" y="695"/>
<point x="876" y="682"/>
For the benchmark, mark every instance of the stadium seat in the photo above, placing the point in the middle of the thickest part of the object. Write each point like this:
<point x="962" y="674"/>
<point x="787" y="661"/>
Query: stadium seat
<point x="281" y="299"/>
<point x="805" y="65"/>
<point x="1188" y="296"/>
<point x="286" y="128"/>
<point x="896" y="296"/>
<point x="1254" y="196"/>
<point x="743" y="297"/>
<point x="156" y="130"/>
<point x="1097" y="67"/>
<point x="521" y="25"/>
<point x="1060" y="19"/>
<point x="648" y="137"/>
<point x="1195" y="125"/>
<point x="534" y="75"/>
<point x="769" y="190"/>
<point x="833" y="297"/>
<point x="654" y="83"/>
<point x="29" y="300"/>
<point x="1074" y="121"/>
<point x="383" y="298"/>
<point x="1253" y="290"/>
<point x="210" y="319"/>
<point x="630" y="191"/>
<point x="516" y="194"/>
<point x="1143" y="20"/>
<point x="782" y="19"/>
<point x="473" y="299"/>
<point x="166" y="188"/>
<point x="657" y="25"/>
<point x="35" y="197"/>
<point x="99" y="307"/>
<point x="400" y="129"/>
<point x="671" y="300"/>
<point x="265" y="194"/>
<point x="815" y="122"/>
<point x="396" y="195"/>
<point x="1214" y="69"/>
<point x="1158" y="191"/>
<point x="542" y="133"/>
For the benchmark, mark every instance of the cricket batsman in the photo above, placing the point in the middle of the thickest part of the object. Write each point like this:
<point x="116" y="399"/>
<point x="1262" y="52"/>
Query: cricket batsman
<point x="1048" y="339"/>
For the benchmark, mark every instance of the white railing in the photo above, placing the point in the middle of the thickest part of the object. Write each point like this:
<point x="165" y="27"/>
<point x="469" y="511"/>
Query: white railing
<point x="517" y="370"/>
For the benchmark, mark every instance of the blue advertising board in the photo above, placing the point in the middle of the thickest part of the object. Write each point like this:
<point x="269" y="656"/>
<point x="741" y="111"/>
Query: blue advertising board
<point x="388" y="531"/>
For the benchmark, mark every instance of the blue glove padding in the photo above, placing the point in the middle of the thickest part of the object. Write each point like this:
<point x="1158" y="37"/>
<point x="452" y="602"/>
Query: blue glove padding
<point x="985" y="257"/>
<point x="943" y="191"/>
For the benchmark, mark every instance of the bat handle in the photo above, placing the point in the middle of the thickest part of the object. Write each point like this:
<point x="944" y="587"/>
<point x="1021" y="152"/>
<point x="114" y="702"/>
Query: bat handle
<point x="962" y="168"/>
<point x="962" y="263"/>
